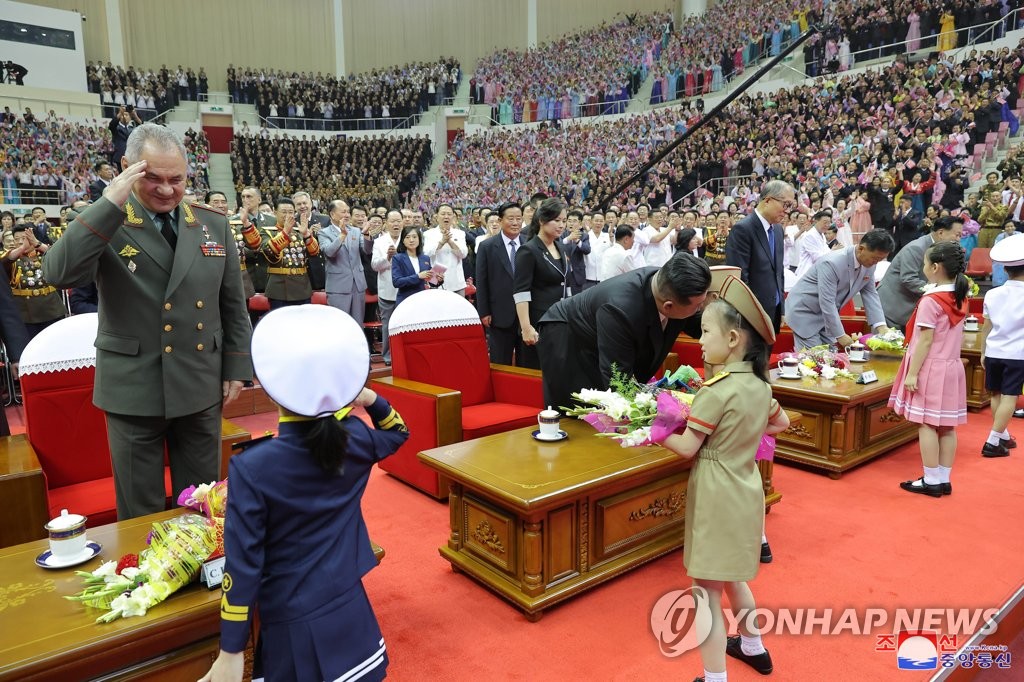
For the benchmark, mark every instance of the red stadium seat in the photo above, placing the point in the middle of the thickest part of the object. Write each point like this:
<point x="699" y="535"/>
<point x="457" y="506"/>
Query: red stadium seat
<point x="980" y="264"/>
<point x="320" y="297"/>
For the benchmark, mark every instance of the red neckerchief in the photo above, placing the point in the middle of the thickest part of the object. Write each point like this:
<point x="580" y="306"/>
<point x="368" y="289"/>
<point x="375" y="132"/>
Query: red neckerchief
<point x="947" y="302"/>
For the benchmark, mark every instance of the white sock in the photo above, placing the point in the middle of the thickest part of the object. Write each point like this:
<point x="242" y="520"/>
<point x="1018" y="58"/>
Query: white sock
<point x="1005" y="435"/>
<point x="944" y="474"/>
<point x="932" y="475"/>
<point x="993" y="438"/>
<point x="715" y="677"/>
<point x="764" y="539"/>
<point x="751" y="646"/>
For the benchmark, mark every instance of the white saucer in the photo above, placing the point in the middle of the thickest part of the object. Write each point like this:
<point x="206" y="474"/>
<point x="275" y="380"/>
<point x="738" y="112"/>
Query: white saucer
<point x="48" y="560"/>
<point x="782" y="376"/>
<point x="852" y="360"/>
<point x="562" y="435"/>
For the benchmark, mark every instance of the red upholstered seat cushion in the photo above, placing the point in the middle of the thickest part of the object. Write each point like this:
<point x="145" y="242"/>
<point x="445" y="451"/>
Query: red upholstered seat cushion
<point x="483" y="420"/>
<point x="68" y="432"/>
<point x="94" y="499"/>
<point x="451" y="357"/>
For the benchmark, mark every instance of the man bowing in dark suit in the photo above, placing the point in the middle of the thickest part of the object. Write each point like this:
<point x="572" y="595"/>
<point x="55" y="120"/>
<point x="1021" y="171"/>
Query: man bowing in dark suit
<point x="173" y="337"/>
<point x="755" y="246"/>
<point x="495" y="267"/>
<point x="629" y="321"/>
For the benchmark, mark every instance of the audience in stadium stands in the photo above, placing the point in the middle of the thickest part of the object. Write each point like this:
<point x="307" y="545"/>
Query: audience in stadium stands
<point x="362" y="171"/>
<point x="357" y="101"/>
<point x="149" y="92"/>
<point x="587" y="73"/>
<point x="828" y="139"/>
<point x="49" y="160"/>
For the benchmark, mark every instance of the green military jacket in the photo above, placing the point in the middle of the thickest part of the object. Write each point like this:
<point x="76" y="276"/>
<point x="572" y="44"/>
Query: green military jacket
<point x="172" y="324"/>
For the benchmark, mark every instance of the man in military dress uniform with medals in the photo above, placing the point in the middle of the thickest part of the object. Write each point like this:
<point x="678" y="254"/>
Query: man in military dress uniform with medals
<point x="287" y="247"/>
<point x="39" y="303"/>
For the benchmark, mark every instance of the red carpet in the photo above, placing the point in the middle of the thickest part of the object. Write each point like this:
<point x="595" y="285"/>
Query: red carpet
<point x="856" y="542"/>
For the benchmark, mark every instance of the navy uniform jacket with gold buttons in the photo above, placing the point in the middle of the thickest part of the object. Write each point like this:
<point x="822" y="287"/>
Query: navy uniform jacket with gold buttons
<point x="172" y="324"/>
<point x="294" y="537"/>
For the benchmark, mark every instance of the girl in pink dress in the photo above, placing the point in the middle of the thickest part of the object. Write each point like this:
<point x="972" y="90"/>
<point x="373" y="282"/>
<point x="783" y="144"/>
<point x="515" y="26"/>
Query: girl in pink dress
<point x="930" y="387"/>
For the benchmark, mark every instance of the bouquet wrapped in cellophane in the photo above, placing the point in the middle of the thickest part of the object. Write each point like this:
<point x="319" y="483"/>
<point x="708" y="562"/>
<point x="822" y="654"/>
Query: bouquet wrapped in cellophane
<point x="212" y="500"/>
<point x="638" y="414"/>
<point x="134" y="584"/>
<point x="892" y="341"/>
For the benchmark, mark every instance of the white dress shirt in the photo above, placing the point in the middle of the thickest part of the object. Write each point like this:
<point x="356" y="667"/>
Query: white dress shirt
<point x="598" y="245"/>
<point x="382" y="266"/>
<point x="812" y="247"/>
<point x="615" y="261"/>
<point x="450" y="258"/>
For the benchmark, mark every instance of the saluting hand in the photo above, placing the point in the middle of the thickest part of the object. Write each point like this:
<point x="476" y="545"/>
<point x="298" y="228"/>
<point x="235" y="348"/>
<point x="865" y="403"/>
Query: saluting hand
<point x="120" y="187"/>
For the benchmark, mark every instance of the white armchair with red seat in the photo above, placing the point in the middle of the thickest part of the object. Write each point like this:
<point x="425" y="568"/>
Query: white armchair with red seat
<point x="444" y="385"/>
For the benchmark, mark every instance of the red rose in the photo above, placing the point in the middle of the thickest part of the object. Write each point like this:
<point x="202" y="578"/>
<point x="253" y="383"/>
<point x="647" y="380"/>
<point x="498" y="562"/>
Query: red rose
<point x="127" y="561"/>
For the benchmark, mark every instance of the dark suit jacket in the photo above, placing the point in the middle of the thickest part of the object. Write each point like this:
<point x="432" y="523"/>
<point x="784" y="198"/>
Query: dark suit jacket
<point x="747" y="249"/>
<point x="316" y="268"/>
<point x="541" y="276"/>
<point x="577" y="265"/>
<point x="173" y="324"/>
<point x="405" y="277"/>
<point x="494" y="282"/>
<point x="616" y="322"/>
<point x="96" y="190"/>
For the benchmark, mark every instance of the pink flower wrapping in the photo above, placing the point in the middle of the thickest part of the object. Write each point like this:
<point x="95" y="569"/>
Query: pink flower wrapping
<point x="765" y="449"/>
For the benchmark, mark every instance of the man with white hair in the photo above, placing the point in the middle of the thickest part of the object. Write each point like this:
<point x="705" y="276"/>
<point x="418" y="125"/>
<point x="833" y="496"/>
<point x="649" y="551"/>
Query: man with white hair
<point x="173" y="337"/>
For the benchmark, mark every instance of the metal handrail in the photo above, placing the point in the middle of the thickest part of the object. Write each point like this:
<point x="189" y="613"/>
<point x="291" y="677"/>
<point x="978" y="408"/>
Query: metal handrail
<point x="729" y="181"/>
<point x="321" y="126"/>
<point x="989" y="26"/>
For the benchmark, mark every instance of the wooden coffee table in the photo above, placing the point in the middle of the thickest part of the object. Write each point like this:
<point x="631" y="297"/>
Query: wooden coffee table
<point x="843" y="423"/>
<point x="47" y="637"/>
<point x="540" y="522"/>
<point x="978" y="397"/>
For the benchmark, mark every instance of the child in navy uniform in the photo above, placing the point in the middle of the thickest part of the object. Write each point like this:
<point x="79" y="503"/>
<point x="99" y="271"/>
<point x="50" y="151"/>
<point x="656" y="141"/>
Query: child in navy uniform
<point x="725" y="494"/>
<point x="294" y="537"/>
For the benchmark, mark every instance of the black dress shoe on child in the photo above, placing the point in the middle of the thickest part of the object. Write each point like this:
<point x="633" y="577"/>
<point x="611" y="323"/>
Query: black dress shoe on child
<point x="989" y="450"/>
<point x="762" y="663"/>
<point x="922" y="488"/>
<point x="947" y="488"/>
<point x="766" y="553"/>
<point x="1019" y="414"/>
<point x="1008" y="443"/>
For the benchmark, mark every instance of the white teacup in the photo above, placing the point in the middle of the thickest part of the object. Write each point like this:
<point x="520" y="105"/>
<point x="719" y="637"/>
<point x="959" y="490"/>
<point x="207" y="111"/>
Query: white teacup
<point x="858" y="352"/>
<point x="549" y="422"/>
<point x="789" y="368"/>
<point x="67" y="534"/>
<point x="971" y="324"/>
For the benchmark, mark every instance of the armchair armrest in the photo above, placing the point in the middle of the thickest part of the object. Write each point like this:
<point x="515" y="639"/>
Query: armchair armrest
<point x="230" y="435"/>
<point x="517" y="386"/>
<point x="434" y="417"/>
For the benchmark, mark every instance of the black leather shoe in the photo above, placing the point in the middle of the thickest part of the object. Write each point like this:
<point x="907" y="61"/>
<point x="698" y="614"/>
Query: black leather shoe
<point x="766" y="553"/>
<point x="1019" y="414"/>
<point x="762" y="663"/>
<point x="947" y="488"/>
<point x="922" y="488"/>
<point x="989" y="450"/>
<point x="1008" y="443"/>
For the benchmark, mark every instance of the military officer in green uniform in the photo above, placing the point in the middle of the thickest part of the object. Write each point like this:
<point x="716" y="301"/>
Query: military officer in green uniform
<point x="287" y="247"/>
<point x="173" y="337"/>
<point x="39" y="302"/>
<point x="254" y="265"/>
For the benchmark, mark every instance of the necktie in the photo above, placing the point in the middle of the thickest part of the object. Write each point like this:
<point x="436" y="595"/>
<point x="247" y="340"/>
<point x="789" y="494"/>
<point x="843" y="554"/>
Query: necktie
<point x="167" y="229"/>
<point x="512" y="255"/>
<point x="771" y="241"/>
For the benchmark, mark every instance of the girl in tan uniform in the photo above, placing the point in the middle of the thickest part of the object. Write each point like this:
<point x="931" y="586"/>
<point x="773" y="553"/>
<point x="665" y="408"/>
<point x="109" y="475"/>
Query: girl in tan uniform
<point x="725" y="498"/>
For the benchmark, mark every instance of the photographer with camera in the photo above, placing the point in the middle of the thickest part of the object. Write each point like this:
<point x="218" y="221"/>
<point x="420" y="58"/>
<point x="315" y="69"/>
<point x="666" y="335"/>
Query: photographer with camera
<point x="14" y="73"/>
<point x="121" y="126"/>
